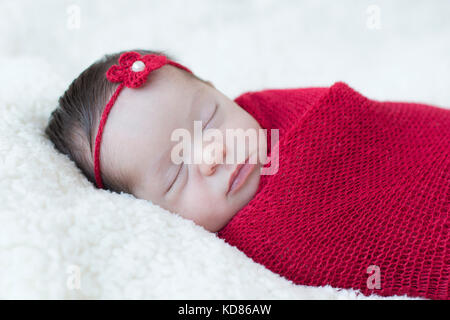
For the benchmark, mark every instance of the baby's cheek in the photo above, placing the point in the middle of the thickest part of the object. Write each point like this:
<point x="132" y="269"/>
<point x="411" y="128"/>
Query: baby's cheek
<point x="202" y="204"/>
<point x="201" y="199"/>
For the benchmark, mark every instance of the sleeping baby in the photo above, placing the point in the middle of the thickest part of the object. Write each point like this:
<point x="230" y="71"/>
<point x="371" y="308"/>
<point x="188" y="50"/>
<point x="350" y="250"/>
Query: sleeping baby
<point x="320" y="185"/>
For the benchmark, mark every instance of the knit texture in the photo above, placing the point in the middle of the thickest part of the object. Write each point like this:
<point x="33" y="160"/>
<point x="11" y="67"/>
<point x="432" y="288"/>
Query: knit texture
<point x="361" y="184"/>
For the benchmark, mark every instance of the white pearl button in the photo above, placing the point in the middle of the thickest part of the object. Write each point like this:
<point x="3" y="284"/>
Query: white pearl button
<point x="138" y="66"/>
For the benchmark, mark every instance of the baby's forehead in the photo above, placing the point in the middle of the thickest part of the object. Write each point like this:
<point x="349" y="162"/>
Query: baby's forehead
<point x="163" y="85"/>
<point x="169" y="74"/>
<point x="140" y="123"/>
<point x="164" y="92"/>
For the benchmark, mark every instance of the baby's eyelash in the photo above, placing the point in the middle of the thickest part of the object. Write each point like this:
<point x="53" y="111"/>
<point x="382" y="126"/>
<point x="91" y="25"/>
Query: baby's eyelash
<point x="182" y="164"/>
<point x="212" y="116"/>
<point x="176" y="177"/>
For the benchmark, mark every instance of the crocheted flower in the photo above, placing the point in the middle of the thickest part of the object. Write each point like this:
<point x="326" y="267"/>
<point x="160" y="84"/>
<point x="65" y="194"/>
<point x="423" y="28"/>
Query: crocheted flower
<point x="133" y="69"/>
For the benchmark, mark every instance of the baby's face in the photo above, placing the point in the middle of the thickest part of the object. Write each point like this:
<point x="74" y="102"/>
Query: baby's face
<point x="137" y="146"/>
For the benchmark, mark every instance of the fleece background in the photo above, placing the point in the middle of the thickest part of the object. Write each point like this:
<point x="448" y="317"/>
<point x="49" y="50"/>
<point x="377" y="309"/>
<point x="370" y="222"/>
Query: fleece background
<point x="54" y="225"/>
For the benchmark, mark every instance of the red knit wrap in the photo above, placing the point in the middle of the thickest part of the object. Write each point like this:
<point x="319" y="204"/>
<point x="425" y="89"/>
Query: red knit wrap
<point x="360" y="183"/>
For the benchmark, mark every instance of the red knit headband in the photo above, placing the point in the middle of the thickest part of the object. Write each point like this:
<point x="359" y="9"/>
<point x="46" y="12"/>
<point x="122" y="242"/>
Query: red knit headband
<point x="132" y="71"/>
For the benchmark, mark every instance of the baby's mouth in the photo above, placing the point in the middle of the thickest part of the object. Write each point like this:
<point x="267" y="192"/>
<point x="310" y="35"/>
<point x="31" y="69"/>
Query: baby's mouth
<point x="239" y="176"/>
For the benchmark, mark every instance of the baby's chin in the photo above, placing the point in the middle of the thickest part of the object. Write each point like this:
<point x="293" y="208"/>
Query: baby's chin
<point x="240" y="198"/>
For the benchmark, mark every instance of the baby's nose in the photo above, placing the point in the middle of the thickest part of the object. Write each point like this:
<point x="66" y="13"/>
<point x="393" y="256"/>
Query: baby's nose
<point x="213" y="155"/>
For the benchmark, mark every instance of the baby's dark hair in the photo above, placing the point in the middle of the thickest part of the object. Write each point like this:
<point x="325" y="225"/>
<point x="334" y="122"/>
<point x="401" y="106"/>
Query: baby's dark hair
<point x="71" y="125"/>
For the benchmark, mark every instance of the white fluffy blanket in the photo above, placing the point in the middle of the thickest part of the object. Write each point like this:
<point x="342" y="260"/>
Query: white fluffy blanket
<point x="62" y="238"/>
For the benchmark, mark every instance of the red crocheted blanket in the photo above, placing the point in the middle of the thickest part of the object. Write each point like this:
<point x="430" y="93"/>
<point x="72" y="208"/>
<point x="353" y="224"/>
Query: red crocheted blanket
<point x="362" y="195"/>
